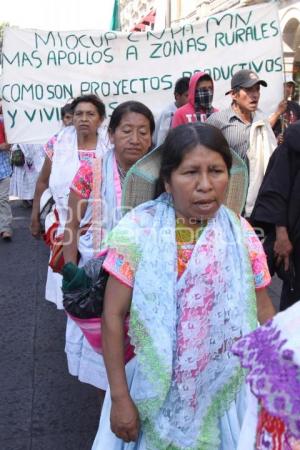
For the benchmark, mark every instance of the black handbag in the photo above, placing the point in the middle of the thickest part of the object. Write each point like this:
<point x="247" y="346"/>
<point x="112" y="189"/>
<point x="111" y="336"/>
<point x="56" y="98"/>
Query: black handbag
<point x="87" y="303"/>
<point x="17" y="157"/>
<point x="46" y="204"/>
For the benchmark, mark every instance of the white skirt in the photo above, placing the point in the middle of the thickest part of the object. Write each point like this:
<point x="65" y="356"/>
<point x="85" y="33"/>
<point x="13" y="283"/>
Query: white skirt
<point x="22" y="182"/>
<point x="230" y="423"/>
<point x="53" y="288"/>
<point x="83" y="361"/>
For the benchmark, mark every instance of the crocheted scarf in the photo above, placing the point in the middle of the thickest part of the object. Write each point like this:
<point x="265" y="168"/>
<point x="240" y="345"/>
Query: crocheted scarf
<point x="183" y="329"/>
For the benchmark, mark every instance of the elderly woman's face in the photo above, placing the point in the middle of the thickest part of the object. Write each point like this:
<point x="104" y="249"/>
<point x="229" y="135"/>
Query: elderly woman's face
<point x="86" y="119"/>
<point x="198" y="186"/>
<point x="132" y="139"/>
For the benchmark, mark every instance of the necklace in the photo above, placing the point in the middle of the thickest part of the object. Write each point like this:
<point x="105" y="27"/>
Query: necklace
<point x="186" y="234"/>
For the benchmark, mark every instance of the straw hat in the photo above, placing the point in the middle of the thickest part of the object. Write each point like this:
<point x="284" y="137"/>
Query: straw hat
<point x="140" y="182"/>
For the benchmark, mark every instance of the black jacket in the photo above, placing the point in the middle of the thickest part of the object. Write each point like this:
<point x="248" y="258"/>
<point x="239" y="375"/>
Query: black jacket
<point x="278" y="200"/>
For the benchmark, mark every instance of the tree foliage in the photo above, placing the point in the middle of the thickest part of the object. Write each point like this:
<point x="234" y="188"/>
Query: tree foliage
<point x="3" y="25"/>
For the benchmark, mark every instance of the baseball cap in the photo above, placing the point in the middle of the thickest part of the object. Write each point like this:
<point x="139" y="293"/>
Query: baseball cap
<point x="245" y="79"/>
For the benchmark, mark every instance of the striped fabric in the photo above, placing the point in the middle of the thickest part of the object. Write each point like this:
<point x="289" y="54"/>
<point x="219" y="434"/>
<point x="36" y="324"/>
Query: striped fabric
<point x="234" y="129"/>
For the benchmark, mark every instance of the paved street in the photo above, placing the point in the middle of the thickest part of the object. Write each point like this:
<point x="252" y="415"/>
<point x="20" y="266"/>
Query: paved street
<point x="41" y="406"/>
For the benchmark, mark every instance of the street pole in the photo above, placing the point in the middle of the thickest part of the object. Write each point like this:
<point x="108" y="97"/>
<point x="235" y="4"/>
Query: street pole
<point x="168" y="13"/>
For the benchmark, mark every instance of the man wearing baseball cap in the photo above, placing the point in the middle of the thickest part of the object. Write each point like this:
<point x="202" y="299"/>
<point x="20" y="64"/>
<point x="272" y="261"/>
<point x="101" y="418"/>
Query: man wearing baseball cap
<point x="247" y="131"/>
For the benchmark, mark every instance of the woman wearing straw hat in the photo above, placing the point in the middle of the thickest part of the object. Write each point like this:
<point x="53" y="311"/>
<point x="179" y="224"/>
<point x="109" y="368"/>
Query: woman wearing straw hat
<point x="193" y="275"/>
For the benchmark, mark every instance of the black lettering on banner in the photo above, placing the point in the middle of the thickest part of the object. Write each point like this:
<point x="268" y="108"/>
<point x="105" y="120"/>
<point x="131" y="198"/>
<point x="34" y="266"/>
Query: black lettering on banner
<point x="155" y="83"/>
<point x="124" y="85"/>
<point x="105" y="89"/>
<point x="15" y="58"/>
<point x="132" y="51"/>
<point x="131" y="37"/>
<point x="62" y="55"/>
<point x="22" y="59"/>
<point x="57" y="58"/>
<point x="143" y="80"/>
<point x="117" y="84"/>
<point x="97" y="44"/>
<point x="156" y="46"/>
<point x="30" y="116"/>
<point x="132" y="90"/>
<point x="157" y="36"/>
<point x="243" y="35"/>
<point x="264" y="30"/>
<point x="191" y="44"/>
<point x="17" y="92"/>
<point x="278" y="64"/>
<point x="112" y="106"/>
<point x="51" y="58"/>
<point x="49" y="39"/>
<point x="12" y="115"/>
<point x="234" y="21"/>
<point x="3" y="94"/>
<point x="257" y="67"/>
<point x="219" y="39"/>
<point x="167" y="82"/>
<point x="59" y="91"/>
<point x="58" y="114"/>
<point x="240" y="34"/>
<point x="178" y="47"/>
<point x="95" y="86"/>
<point x="43" y="114"/>
<point x="50" y="114"/>
<point x="201" y="46"/>
<point x="226" y="72"/>
<point x="71" y="41"/>
<point x="108" y="58"/>
<point x="80" y="39"/>
<point x="84" y="87"/>
<point x="185" y="29"/>
<point x="72" y="58"/>
<point x="274" y="27"/>
<point x="168" y="48"/>
<point x="110" y="36"/>
<point x="270" y="65"/>
<point x="36" y="58"/>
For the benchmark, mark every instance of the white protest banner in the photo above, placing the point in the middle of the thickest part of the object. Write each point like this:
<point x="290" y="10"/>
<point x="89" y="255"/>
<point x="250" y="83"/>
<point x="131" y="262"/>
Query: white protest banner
<point x="42" y="70"/>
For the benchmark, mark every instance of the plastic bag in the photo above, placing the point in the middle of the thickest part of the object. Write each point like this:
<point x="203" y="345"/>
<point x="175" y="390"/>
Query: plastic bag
<point x="87" y="303"/>
<point x="17" y="157"/>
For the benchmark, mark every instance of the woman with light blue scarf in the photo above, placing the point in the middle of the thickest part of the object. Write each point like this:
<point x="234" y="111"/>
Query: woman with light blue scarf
<point x="95" y="198"/>
<point x="193" y="276"/>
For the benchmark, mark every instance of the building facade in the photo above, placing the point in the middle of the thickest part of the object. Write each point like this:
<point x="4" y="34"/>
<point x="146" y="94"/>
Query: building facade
<point x="176" y="12"/>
